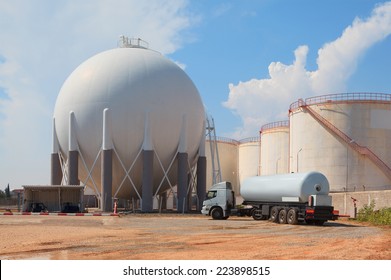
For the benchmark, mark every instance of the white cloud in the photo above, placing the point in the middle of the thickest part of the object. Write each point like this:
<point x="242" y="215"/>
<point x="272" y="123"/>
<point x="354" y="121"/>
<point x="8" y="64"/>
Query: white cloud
<point x="42" y="42"/>
<point x="259" y="101"/>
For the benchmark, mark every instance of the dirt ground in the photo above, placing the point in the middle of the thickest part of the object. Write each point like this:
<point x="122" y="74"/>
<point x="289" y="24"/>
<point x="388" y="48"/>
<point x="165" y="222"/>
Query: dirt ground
<point x="169" y="236"/>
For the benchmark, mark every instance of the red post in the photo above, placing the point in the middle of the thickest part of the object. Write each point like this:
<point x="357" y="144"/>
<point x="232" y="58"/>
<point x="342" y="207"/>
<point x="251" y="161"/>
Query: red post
<point x="115" y="206"/>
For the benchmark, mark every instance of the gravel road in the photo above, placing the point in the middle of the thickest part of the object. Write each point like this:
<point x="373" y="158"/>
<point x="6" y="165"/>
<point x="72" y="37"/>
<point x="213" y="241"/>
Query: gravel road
<point x="169" y="236"/>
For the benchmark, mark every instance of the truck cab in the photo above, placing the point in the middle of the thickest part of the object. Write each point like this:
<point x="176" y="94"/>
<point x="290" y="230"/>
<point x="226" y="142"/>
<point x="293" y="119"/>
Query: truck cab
<point x="219" y="201"/>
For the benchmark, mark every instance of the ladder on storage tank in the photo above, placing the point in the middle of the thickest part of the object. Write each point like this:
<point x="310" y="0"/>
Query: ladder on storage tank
<point x="362" y="150"/>
<point x="214" y="151"/>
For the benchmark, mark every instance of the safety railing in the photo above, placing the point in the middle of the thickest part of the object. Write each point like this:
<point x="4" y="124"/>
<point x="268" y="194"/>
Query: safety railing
<point x="250" y="140"/>
<point x="274" y="125"/>
<point x="342" y="98"/>
<point x="225" y="140"/>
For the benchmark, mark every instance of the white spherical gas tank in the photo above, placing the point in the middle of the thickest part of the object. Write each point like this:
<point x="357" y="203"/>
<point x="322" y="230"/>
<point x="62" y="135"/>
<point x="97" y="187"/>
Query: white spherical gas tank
<point x="147" y="96"/>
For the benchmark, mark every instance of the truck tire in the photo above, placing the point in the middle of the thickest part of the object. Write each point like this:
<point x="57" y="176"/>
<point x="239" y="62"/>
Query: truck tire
<point x="282" y="216"/>
<point x="292" y="217"/>
<point x="256" y="213"/>
<point x="274" y="214"/>
<point x="217" y="213"/>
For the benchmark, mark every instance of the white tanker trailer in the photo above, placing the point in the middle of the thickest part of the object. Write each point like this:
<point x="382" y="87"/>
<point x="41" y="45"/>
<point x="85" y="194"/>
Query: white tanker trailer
<point x="288" y="198"/>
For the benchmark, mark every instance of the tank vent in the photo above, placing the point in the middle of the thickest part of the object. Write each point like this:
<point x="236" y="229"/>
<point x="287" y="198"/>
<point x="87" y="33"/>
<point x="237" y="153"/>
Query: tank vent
<point x="126" y="42"/>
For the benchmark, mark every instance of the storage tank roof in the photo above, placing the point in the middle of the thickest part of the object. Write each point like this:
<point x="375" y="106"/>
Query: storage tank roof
<point x="356" y="97"/>
<point x="273" y="125"/>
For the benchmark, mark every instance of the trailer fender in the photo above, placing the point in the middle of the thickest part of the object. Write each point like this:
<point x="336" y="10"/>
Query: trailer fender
<point x="266" y="210"/>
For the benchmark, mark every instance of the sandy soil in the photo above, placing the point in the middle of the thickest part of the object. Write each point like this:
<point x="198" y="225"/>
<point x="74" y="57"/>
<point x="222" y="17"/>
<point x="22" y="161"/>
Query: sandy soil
<point x="160" y="237"/>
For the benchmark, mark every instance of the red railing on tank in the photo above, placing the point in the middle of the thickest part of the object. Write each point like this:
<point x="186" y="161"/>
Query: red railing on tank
<point x="250" y="140"/>
<point x="343" y="98"/>
<point x="274" y="125"/>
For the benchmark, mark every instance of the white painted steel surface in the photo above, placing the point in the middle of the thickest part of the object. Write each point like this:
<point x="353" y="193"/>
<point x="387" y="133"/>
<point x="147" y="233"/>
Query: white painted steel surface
<point x="138" y="86"/>
<point x="249" y="158"/>
<point x="364" y="119"/>
<point x="228" y="153"/>
<point x="275" y="148"/>
<point x="274" y="188"/>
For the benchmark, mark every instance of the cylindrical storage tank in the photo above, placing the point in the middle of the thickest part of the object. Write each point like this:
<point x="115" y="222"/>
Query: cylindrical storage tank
<point x="151" y="105"/>
<point x="275" y="148"/>
<point x="228" y="155"/>
<point x="249" y="157"/>
<point x="347" y="137"/>
<point x="277" y="188"/>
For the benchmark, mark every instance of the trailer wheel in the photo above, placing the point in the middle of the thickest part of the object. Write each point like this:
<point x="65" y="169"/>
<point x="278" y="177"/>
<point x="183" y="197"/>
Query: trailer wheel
<point x="292" y="217"/>
<point x="282" y="216"/>
<point x="217" y="213"/>
<point x="256" y="213"/>
<point x="274" y="214"/>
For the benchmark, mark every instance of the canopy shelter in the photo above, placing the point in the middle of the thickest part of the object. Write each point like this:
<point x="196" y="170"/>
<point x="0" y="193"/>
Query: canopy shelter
<point x="53" y="198"/>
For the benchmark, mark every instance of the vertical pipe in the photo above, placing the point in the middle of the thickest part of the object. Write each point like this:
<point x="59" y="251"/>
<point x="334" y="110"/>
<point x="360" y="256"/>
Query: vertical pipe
<point x="55" y="165"/>
<point x="73" y="154"/>
<point x="107" y="165"/>
<point x="182" y="181"/>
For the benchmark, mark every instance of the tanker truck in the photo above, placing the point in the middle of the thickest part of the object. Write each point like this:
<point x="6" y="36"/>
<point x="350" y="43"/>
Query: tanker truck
<point x="288" y="198"/>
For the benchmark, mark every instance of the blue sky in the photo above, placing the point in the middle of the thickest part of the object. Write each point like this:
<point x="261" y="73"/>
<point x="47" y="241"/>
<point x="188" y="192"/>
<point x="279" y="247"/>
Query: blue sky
<point x="249" y="59"/>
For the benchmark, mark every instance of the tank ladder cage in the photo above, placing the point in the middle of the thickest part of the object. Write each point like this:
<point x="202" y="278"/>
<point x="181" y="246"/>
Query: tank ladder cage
<point x="362" y="150"/>
<point x="126" y="42"/>
<point x="214" y="151"/>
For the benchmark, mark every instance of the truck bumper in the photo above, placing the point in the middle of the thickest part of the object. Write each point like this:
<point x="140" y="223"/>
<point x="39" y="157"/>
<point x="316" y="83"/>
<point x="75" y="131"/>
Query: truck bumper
<point x="205" y="210"/>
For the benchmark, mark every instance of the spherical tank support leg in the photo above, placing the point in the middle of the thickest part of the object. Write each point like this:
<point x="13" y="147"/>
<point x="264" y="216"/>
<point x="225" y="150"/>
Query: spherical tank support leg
<point x="147" y="182"/>
<point x="201" y="181"/>
<point x="55" y="170"/>
<point x="107" y="180"/>
<point x="182" y="182"/>
<point x="73" y="168"/>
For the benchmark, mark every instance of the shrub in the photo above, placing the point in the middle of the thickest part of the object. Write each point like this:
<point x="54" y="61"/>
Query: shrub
<point x="378" y="217"/>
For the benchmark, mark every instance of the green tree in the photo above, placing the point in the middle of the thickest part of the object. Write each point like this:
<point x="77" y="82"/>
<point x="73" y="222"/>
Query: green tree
<point x="7" y="191"/>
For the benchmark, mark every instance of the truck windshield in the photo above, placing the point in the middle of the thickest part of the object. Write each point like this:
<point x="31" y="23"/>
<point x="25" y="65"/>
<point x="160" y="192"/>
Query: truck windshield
<point x="211" y="194"/>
